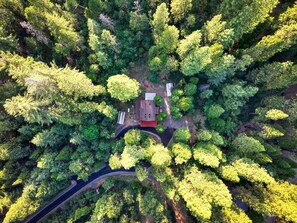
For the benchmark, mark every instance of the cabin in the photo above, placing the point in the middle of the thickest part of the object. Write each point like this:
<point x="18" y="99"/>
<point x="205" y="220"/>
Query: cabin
<point x="147" y="111"/>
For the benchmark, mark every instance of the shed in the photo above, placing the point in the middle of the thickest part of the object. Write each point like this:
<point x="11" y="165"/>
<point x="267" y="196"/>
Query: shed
<point x="121" y="117"/>
<point x="169" y="87"/>
<point x="150" y="96"/>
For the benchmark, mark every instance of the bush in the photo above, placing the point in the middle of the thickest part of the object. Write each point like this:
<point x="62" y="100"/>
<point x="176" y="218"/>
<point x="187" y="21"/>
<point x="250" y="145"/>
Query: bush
<point x="158" y="100"/>
<point x="161" y="117"/>
<point x="160" y="128"/>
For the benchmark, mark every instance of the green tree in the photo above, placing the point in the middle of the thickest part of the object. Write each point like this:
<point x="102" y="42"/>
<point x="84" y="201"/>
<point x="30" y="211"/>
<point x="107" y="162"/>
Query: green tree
<point x="181" y="152"/>
<point x="130" y="156"/>
<point x="51" y="93"/>
<point x="8" y="42"/>
<point x="158" y="155"/>
<point x="228" y="172"/>
<point x="246" y="15"/>
<point x="236" y="95"/>
<point x="190" y="89"/>
<point x="132" y="137"/>
<point x="138" y="21"/>
<point x="275" y="75"/>
<point x="122" y="87"/>
<point x="269" y="132"/>
<point x="168" y="40"/>
<point x="189" y="44"/>
<point x="208" y="154"/>
<point x="283" y="38"/>
<point x="141" y="173"/>
<point x="234" y="214"/>
<point x="196" y="61"/>
<point x="115" y="162"/>
<point x="160" y="21"/>
<point x="214" y="31"/>
<point x="278" y="198"/>
<point x="90" y="133"/>
<point x="251" y="171"/>
<point x="180" y="8"/>
<point x="202" y="190"/>
<point x="182" y="135"/>
<point x="161" y="117"/>
<point x="243" y="145"/>
<point x="214" y="111"/>
<point x="23" y="206"/>
<point x="151" y="205"/>
<point x="185" y="103"/>
<point x="203" y="135"/>
<point x="275" y="114"/>
<point x="160" y="128"/>
<point x="61" y="25"/>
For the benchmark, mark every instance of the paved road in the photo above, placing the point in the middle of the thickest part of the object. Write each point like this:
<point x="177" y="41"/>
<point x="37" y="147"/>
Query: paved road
<point x="80" y="184"/>
<point x="101" y="174"/>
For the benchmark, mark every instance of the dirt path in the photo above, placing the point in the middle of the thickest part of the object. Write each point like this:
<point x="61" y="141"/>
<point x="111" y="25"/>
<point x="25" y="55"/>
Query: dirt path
<point x="181" y="215"/>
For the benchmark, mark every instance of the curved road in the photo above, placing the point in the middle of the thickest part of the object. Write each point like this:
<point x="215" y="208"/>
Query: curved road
<point x="101" y="174"/>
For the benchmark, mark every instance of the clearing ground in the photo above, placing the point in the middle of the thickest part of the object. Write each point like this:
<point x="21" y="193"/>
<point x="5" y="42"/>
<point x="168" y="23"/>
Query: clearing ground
<point x="140" y="73"/>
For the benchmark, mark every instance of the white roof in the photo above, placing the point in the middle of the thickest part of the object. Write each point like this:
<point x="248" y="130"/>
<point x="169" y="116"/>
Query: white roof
<point x="150" y="96"/>
<point x="169" y="87"/>
<point x="121" y="117"/>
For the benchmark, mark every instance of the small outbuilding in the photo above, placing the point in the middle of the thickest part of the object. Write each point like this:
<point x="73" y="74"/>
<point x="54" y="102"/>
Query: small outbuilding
<point x="150" y="96"/>
<point x="169" y="87"/>
<point x="121" y="117"/>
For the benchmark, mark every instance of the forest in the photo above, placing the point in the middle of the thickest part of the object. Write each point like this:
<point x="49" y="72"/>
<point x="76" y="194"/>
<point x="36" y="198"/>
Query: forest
<point x="68" y="67"/>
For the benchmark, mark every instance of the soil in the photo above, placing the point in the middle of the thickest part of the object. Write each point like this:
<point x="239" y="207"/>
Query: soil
<point x="291" y="92"/>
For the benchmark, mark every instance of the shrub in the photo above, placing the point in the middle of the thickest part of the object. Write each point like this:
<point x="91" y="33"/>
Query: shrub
<point x="158" y="100"/>
<point x="160" y="128"/>
<point x="161" y="117"/>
